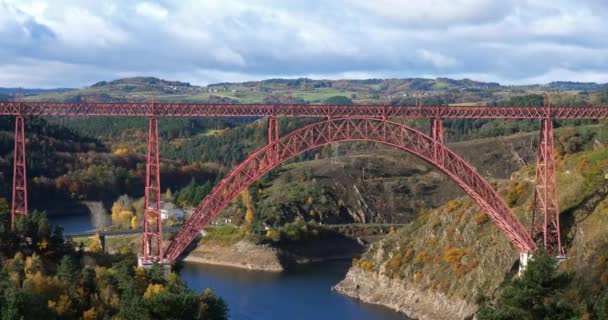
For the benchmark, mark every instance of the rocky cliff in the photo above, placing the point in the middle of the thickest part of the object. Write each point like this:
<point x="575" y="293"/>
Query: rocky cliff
<point x="445" y="263"/>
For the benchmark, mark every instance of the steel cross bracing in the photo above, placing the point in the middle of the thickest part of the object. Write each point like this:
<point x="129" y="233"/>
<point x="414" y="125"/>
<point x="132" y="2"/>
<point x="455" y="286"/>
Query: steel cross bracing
<point x="545" y="228"/>
<point x="19" y="204"/>
<point x="352" y="129"/>
<point x="297" y="110"/>
<point x="152" y="238"/>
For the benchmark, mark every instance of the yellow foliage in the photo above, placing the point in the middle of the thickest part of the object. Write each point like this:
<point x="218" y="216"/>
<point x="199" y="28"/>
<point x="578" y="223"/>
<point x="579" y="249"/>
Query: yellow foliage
<point x="120" y="151"/>
<point x="366" y="265"/>
<point x="273" y="235"/>
<point x="154" y="289"/>
<point x="44" y="286"/>
<point x="134" y="223"/>
<point x="90" y="314"/>
<point x="32" y="265"/>
<point x="116" y="210"/>
<point x="246" y="196"/>
<point x="14" y="277"/>
<point x="62" y="306"/>
<point x="453" y="255"/>
<point x="249" y="216"/>
<point x="43" y="244"/>
<point x="125" y="217"/>
<point x="451" y="205"/>
<point x="95" y="246"/>
<point x="394" y="263"/>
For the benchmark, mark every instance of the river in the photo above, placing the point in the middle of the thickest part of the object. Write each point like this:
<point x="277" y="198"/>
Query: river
<point x="303" y="292"/>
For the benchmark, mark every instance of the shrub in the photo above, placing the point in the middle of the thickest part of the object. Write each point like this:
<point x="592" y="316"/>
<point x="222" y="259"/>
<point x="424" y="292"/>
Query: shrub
<point x="481" y="217"/>
<point x="273" y="235"/>
<point x="453" y="255"/>
<point x="366" y="265"/>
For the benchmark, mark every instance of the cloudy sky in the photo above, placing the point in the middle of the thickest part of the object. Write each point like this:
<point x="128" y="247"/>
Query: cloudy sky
<point x="74" y="43"/>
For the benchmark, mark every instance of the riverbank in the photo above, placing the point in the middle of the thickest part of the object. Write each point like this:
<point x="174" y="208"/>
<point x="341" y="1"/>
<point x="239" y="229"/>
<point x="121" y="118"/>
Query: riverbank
<point x="242" y="254"/>
<point x="246" y="255"/>
<point x="402" y="296"/>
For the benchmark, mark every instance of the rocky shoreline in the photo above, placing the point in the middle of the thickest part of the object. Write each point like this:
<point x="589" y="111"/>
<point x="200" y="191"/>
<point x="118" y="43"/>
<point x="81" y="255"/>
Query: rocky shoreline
<point x="370" y="287"/>
<point x="403" y="296"/>
<point x="247" y="255"/>
<point x="242" y="254"/>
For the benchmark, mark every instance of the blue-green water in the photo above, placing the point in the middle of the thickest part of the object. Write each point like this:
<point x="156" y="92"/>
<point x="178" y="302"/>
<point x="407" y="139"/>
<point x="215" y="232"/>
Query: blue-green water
<point x="303" y="292"/>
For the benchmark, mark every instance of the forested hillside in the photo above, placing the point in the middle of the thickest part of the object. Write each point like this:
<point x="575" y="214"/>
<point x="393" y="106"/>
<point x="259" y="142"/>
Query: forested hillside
<point x="102" y="158"/>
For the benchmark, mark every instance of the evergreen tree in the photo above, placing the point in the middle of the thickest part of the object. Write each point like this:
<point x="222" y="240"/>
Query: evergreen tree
<point x="535" y="295"/>
<point x="68" y="271"/>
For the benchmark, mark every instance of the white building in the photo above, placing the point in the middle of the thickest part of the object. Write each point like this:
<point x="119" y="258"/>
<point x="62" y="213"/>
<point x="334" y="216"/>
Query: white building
<point x="170" y="211"/>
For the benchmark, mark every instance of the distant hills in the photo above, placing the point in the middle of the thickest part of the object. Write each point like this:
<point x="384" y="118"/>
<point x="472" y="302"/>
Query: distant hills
<point x="302" y="90"/>
<point x="569" y="85"/>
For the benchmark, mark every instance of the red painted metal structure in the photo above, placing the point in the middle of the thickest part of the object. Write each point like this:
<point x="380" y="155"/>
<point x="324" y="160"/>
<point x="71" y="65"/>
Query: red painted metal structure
<point x="19" y="204"/>
<point x="343" y="123"/>
<point x="352" y="129"/>
<point x="297" y="110"/>
<point x="152" y="237"/>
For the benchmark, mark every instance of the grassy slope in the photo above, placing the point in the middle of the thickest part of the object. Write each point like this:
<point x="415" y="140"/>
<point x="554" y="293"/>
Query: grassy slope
<point x="456" y="250"/>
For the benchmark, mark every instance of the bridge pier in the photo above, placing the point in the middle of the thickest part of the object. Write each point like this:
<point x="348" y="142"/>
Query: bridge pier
<point x="152" y="237"/>
<point x="19" y="201"/>
<point x="545" y="228"/>
<point x="148" y="264"/>
<point x="437" y="129"/>
<point x="524" y="258"/>
<point x="273" y="135"/>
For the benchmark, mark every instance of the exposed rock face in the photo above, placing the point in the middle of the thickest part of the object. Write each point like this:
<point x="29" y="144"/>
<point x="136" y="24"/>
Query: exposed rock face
<point x="247" y="255"/>
<point x="436" y="267"/>
<point x="243" y="254"/>
<point x="403" y="296"/>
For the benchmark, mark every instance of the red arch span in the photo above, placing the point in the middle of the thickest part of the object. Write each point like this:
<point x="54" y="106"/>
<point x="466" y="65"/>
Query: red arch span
<point x="352" y="129"/>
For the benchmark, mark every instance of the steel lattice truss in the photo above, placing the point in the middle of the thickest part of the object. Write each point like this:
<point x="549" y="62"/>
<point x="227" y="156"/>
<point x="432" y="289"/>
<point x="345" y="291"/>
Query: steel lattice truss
<point x="152" y="237"/>
<point x="352" y="129"/>
<point x="19" y="204"/>
<point x="545" y="228"/>
<point x="297" y="110"/>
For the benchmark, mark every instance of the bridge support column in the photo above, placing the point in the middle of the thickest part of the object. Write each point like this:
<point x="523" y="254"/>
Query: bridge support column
<point x="437" y="135"/>
<point x="437" y="129"/>
<point x="545" y="229"/>
<point x="273" y="135"/>
<point x="19" y="203"/>
<point x="152" y="239"/>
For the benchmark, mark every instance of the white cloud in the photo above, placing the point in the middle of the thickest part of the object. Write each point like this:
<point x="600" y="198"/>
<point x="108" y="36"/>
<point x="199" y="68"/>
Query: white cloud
<point x="151" y="10"/>
<point x="437" y="13"/>
<point x="437" y="59"/>
<point x="213" y="40"/>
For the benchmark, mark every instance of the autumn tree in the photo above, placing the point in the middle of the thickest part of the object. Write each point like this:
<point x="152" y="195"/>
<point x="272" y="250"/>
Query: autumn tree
<point x="95" y="245"/>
